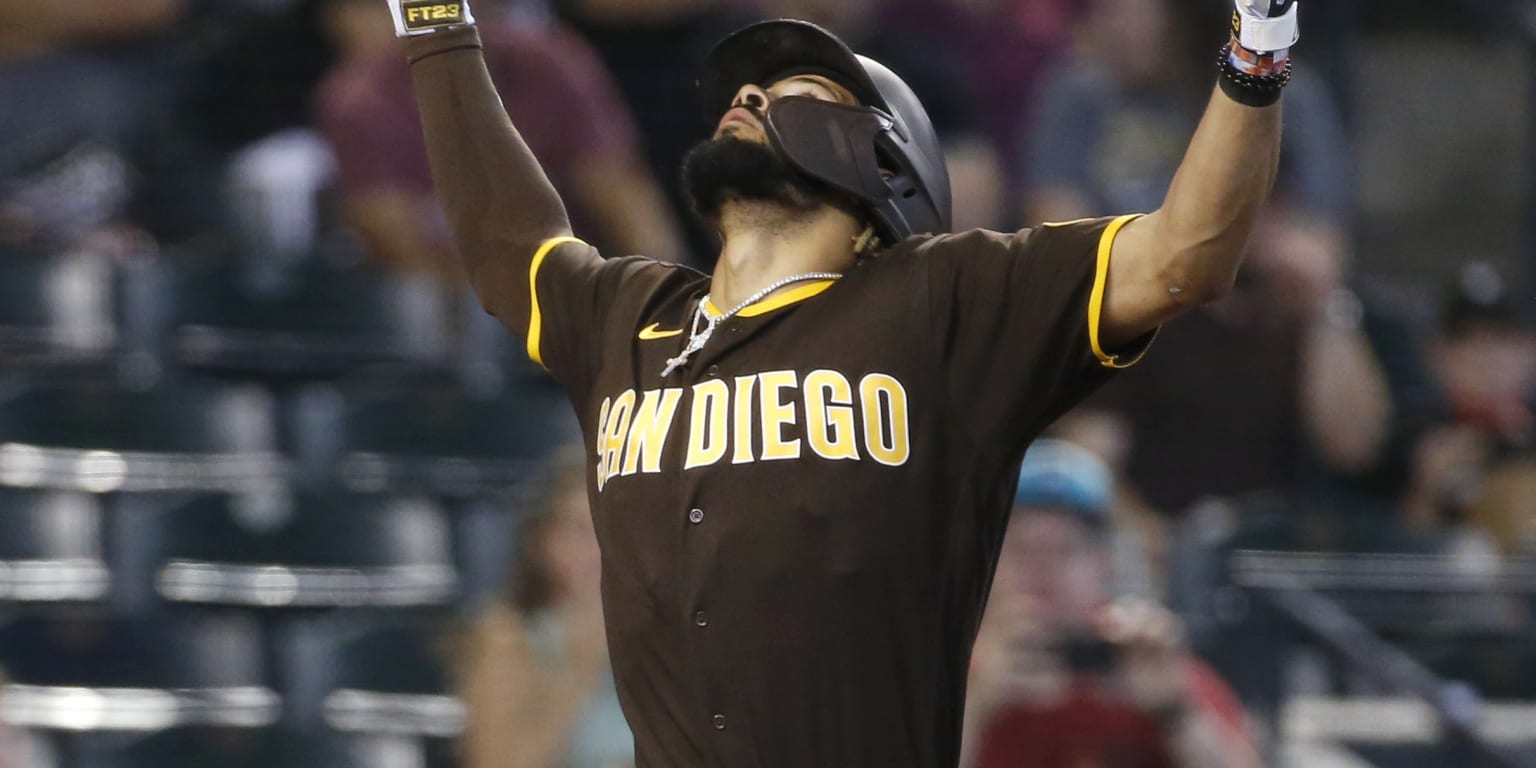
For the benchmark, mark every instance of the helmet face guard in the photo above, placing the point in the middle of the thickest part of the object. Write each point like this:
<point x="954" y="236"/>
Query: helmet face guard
<point x="883" y="152"/>
<point x="861" y="151"/>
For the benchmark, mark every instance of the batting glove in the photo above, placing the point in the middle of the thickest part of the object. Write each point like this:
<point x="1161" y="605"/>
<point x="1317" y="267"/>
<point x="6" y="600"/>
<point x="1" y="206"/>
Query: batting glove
<point x="1265" y="26"/>
<point x="423" y="17"/>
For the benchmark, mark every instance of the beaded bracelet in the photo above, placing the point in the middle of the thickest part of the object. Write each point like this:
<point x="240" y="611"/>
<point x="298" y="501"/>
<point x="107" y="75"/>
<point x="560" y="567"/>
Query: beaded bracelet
<point x="1247" y="88"/>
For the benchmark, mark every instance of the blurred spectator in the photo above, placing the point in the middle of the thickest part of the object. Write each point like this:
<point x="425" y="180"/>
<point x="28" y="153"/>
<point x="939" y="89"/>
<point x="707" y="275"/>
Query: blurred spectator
<point x="1285" y="382"/>
<point x="1114" y="120"/>
<point x="78" y="81"/>
<point x="31" y="29"/>
<point x="1485" y="359"/>
<point x="1001" y="49"/>
<point x="1485" y="362"/>
<point x="1062" y="674"/>
<point x="587" y="145"/>
<point x="1261" y="390"/>
<point x="655" y="48"/>
<point x="535" y="677"/>
<point x="975" y="170"/>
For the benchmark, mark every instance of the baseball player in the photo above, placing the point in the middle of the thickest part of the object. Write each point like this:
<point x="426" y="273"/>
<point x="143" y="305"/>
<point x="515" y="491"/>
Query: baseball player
<point x="802" y="465"/>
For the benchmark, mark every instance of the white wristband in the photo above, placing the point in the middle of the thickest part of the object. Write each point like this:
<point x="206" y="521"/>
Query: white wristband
<point x="1269" y="35"/>
<point x="423" y="17"/>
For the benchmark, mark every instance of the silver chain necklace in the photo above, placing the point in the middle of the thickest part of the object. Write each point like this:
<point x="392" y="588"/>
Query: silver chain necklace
<point x="704" y="323"/>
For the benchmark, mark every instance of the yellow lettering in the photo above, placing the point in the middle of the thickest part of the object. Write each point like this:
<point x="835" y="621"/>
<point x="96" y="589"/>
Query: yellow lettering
<point x="597" y="450"/>
<point x="829" y="415"/>
<point x="648" y="430"/>
<point x="617" y="430"/>
<point x="707" y="423"/>
<point x="885" y="419"/>
<point x="741" y="436"/>
<point x="414" y="14"/>
<point x="776" y="415"/>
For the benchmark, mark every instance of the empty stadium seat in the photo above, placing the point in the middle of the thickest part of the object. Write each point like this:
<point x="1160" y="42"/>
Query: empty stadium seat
<point x="51" y="547"/>
<point x="392" y="680"/>
<point x="424" y="432"/>
<point x="313" y="320"/>
<point x="135" y="674"/>
<point x="280" y="550"/>
<point x="203" y="747"/>
<point x="55" y="307"/>
<point x="81" y="428"/>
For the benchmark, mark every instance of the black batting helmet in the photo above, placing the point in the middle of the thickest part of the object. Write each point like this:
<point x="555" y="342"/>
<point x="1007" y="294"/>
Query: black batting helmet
<point x="883" y="152"/>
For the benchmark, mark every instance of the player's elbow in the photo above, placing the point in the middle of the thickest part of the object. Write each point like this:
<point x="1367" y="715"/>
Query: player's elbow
<point x="1194" y="277"/>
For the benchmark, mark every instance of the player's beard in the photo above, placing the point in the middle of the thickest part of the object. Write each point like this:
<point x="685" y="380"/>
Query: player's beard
<point x="718" y="171"/>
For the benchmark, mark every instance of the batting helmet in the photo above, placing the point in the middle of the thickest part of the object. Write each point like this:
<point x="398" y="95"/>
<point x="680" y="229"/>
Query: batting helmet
<point x="883" y="152"/>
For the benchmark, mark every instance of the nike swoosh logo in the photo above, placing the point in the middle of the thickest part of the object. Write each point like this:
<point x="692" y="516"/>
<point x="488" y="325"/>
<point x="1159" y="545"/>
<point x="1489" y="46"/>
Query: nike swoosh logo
<point x="650" y="333"/>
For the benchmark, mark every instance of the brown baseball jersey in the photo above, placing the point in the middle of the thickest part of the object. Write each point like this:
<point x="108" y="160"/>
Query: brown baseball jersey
<point x="799" y="527"/>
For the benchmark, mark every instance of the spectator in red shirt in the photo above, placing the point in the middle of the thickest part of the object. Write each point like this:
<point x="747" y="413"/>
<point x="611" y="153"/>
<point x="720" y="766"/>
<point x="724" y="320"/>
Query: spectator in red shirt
<point x="563" y="102"/>
<point x="1065" y="677"/>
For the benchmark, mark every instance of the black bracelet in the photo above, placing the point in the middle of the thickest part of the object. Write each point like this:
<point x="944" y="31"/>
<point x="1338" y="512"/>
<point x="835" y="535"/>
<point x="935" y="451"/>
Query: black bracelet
<point x="1251" y="90"/>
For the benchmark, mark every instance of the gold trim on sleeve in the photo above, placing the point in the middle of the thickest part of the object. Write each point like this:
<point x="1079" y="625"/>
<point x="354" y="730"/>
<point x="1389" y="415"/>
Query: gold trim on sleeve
<point x="535" y="318"/>
<point x="1096" y="298"/>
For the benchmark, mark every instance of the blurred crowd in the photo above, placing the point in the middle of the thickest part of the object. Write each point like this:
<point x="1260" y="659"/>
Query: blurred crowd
<point x="1365" y="413"/>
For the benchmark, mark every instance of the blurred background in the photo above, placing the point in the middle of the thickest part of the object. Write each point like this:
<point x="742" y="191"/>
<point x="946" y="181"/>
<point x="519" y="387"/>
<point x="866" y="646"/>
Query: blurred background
<point x="274" y="491"/>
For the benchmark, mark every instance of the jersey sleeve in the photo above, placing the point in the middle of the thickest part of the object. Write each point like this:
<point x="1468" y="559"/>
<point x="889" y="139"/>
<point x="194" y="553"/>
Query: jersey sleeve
<point x="1014" y="320"/>
<point x="558" y="307"/>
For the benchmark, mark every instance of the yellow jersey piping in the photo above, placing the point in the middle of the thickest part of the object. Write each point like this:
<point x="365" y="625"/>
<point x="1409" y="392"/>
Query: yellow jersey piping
<point x="1096" y="297"/>
<point x="535" y="317"/>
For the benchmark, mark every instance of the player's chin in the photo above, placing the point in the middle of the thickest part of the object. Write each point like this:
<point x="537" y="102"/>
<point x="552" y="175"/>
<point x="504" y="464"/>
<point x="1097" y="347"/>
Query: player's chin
<point x="734" y="169"/>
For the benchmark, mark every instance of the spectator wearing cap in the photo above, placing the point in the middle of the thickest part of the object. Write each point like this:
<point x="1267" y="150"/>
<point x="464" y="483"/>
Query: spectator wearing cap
<point x="1064" y="675"/>
<point x="1485" y="359"/>
<point x="1479" y="463"/>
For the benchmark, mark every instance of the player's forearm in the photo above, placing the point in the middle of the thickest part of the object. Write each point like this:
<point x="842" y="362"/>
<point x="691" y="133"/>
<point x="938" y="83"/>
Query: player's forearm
<point x="1202" y="229"/>
<point x="498" y="200"/>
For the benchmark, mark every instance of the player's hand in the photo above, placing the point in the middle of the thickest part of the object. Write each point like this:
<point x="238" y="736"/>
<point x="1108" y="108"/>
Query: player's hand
<point x="1153" y="655"/>
<point x="423" y="17"/>
<point x="1265" y="26"/>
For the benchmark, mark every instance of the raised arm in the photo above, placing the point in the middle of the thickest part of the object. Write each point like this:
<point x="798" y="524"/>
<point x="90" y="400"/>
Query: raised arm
<point x="500" y="204"/>
<point x="1188" y="251"/>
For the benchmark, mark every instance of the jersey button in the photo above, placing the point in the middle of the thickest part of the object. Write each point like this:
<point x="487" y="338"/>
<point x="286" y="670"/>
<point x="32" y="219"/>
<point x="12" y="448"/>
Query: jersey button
<point x="701" y="619"/>
<point x="714" y="370"/>
<point x="719" y="722"/>
<point x="695" y="516"/>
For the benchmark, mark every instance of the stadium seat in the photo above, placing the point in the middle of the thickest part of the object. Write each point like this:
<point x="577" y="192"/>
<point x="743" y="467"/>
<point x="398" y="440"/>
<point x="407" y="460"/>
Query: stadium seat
<point x="142" y="674"/>
<point x="392" y="680"/>
<point x="51" y="547"/>
<point x="312" y="321"/>
<point x="80" y="428"/>
<point x="55" y="307"/>
<point x="204" y="747"/>
<point x="299" y="551"/>
<point x="424" y="432"/>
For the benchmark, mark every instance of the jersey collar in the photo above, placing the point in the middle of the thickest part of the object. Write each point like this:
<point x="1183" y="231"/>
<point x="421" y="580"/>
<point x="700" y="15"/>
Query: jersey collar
<point x="793" y="295"/>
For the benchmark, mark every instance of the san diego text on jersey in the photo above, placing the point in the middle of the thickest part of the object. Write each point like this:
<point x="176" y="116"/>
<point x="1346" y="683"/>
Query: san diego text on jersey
<point x="822" y="414"/>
